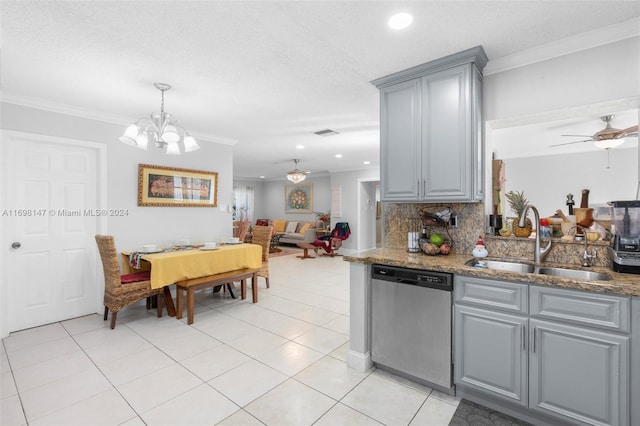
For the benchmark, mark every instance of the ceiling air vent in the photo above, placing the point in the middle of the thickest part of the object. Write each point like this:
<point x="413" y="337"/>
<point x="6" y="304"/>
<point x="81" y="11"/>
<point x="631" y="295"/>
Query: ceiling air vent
<point x="326" y="132"/>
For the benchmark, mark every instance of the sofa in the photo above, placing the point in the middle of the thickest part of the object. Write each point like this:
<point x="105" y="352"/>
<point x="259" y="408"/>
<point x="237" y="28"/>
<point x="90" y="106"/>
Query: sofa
<point x="292" y="232"/>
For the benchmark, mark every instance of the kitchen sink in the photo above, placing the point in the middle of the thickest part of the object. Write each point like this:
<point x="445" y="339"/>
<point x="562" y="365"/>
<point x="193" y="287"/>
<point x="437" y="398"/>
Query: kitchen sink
<point x="501" y="265"/>
<point x="521" y="267"/>
<point x="574" y="273"/>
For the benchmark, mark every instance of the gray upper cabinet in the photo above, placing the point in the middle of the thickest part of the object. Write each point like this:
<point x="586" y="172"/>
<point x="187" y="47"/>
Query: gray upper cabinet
<point x="431" y="131"/>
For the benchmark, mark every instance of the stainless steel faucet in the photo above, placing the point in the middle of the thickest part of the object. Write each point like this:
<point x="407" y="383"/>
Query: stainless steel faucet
<point x="539" y="253"/>
<point x="586" y="259"/>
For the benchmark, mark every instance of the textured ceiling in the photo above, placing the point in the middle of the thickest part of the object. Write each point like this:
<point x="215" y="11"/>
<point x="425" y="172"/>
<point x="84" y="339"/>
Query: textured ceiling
<point x="265" y="74"/>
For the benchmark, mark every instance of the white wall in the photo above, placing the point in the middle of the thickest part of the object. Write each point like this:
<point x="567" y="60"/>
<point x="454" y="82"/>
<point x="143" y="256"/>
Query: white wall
<point x="561" y="88"/>
<point x="595" y="75"/>
<point x="548" y="193"/>
<point x="143" y="225"/>
<point x="349" y="182"/>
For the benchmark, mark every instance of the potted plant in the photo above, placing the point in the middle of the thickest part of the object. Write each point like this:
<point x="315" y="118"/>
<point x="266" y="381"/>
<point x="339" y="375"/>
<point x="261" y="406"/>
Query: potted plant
<point x="518" y="204"/>
<point x="323" y="217"/>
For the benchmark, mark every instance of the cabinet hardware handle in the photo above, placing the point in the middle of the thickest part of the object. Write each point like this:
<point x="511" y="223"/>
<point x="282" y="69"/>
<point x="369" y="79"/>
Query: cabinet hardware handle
<point x="418" y="181"/>
<point x="524" y="338"/>
<point x="533" y="348"/>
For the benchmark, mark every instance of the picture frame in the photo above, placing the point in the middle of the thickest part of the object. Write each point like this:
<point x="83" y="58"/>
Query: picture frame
<point x="160" y="186"/>
<point x="298" y="198"/>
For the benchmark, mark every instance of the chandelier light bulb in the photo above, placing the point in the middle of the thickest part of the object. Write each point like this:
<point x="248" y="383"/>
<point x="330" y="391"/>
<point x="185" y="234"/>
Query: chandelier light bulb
<point x="142" y="140"/>
<point x="190" y="144"/>
<point x="164" y="131"/>
<point x="173" y="148"/>
<point x="295" y="175"/>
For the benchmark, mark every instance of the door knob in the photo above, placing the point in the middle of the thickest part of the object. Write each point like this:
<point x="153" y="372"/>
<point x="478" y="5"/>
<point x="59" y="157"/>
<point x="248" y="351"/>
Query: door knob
<point x="16" y="245"/>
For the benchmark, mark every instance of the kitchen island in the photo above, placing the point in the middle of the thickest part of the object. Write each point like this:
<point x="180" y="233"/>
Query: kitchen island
<point x="624" y="289"/>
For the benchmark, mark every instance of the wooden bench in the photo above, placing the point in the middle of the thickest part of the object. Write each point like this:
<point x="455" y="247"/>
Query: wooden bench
<point x="191" y="285"/>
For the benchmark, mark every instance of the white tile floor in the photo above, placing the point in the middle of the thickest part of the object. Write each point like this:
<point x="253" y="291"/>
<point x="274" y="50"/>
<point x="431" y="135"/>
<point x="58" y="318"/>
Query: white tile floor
<point x="278" y="362"/>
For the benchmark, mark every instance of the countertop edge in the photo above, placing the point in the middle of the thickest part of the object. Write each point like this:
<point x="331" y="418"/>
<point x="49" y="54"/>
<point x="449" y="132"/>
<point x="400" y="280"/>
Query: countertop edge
<point x="621" y="284"/>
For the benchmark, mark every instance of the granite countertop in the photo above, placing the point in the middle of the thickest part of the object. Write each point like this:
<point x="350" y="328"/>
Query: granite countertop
<point x="621" y="284"/>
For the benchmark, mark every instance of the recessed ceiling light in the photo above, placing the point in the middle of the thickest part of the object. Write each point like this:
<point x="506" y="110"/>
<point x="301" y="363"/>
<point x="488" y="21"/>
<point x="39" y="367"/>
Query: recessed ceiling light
<point x="261" y="177"/>
<point x="400" y="21"/>
<point x="367" y="162"/>
<point x="338" y="155"/>
<point x="299" y="146"/>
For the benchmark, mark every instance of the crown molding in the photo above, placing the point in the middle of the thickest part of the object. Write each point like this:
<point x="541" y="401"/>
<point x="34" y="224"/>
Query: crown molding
<point x="60" y="108"/>
<point x="598" y="37"/>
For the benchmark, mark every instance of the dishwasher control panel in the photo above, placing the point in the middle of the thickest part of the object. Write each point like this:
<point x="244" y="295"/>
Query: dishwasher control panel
<point x="418" y="277"/>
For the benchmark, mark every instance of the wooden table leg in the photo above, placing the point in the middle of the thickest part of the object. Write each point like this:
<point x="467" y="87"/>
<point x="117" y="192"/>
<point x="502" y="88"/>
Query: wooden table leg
<point x="168" y="301"/>
<point x="254" y="287"/>
<point x="191" y="304"/>
<point x="180" y="302"/>
<point x="243" y="288"/>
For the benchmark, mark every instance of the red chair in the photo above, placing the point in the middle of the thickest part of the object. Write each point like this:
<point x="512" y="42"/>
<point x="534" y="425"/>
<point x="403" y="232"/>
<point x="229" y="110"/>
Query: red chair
<point x="332" y="243"/>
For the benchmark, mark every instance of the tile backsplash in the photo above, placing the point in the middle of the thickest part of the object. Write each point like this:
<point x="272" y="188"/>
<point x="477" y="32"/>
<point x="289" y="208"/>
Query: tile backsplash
<point x="402" y="218"/>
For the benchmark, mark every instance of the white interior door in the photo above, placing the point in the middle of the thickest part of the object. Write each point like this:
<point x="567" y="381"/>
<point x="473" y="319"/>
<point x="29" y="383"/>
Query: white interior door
<point x="52" y="193"/>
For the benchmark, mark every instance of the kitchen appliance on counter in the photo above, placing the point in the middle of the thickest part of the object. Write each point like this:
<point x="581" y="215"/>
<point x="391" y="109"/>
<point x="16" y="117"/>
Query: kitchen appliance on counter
<point x="625" y="216"/>
<point x="411" y="324"/>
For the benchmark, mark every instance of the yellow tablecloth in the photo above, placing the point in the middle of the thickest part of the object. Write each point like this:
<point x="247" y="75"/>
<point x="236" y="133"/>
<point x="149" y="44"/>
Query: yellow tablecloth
<point x="168" y="268"/>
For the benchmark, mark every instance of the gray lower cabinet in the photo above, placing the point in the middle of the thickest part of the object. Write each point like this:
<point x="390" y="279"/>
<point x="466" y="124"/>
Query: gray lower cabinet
<point x="490" y="354"/>
<point x="430" y="130"/>
<point x="560" y="353"/>
<point x="579" y="373"/>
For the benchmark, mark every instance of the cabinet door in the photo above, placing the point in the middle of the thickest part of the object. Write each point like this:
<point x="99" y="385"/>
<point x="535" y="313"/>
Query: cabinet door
<point x="579" y="373"/>
<point x="400" y="141"/>
<point x="490" y="352"/>
<point x="447" y="151"/>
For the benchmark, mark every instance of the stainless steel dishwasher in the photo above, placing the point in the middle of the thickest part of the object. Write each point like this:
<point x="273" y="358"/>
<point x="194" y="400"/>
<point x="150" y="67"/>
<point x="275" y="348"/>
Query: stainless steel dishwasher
<point x="411" y="324"/>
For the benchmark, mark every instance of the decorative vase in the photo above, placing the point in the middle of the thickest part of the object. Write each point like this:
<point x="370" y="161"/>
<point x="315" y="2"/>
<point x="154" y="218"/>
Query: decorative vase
<point x="522" y="232"/>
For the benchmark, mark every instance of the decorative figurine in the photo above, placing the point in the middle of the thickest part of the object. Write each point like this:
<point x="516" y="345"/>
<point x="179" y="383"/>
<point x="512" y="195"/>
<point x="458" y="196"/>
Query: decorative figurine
<point x="480" y="250"/>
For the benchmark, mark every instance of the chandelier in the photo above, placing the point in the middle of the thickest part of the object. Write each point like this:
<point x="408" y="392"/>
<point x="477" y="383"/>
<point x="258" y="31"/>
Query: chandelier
<point x="295" y="175"/>
<point x="161" y="129"/>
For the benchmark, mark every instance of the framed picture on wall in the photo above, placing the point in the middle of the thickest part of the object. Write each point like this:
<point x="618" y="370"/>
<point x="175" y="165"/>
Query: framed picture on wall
<point x="298" y="198"/>
<point x="173" y="187"/>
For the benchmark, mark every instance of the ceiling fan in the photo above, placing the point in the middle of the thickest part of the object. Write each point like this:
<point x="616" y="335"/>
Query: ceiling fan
<point x="607" y="138"/>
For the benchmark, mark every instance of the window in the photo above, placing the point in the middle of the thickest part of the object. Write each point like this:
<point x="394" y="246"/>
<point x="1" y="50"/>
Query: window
<point x="243" y="202"/>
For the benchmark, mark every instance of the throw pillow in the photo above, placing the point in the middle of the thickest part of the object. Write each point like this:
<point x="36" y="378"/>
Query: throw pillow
<point x="278" y="225"/>
<point x="291" y="227"/>
<point x="262" y="222"/>
<point x="305" y="227"/>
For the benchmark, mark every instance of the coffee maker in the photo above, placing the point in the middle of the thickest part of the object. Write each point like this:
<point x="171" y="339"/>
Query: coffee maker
<point x="625" y="226"/>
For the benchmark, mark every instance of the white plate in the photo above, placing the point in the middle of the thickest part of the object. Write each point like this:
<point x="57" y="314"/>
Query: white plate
<point x="209" y="248"/>
<point x="233" y="242"/>
<point x="158" y="250"/>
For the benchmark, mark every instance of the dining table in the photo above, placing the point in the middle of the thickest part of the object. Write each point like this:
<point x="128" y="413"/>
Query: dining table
<point x="170" y="265"/>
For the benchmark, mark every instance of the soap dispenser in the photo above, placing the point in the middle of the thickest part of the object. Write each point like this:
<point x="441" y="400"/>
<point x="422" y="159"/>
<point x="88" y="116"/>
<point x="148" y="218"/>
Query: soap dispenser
<point x="480" y="250"/>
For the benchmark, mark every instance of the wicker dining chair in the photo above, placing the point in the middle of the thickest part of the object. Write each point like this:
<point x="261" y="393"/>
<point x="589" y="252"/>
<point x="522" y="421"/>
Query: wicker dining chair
<point x="261" y="236"/>
<point x="123" y="290"/>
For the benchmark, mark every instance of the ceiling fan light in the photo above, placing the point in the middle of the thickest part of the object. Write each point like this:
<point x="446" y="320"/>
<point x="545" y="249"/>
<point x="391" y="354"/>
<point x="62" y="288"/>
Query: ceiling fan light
<point x="190" y="144"/>
<point x="608" y="143"/>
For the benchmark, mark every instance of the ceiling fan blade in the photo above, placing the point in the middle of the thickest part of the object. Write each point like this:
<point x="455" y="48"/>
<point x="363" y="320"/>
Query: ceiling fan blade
<point x="629" y="131"/>
<point x="570" y="143"/>
<point x="579" y="136"/>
